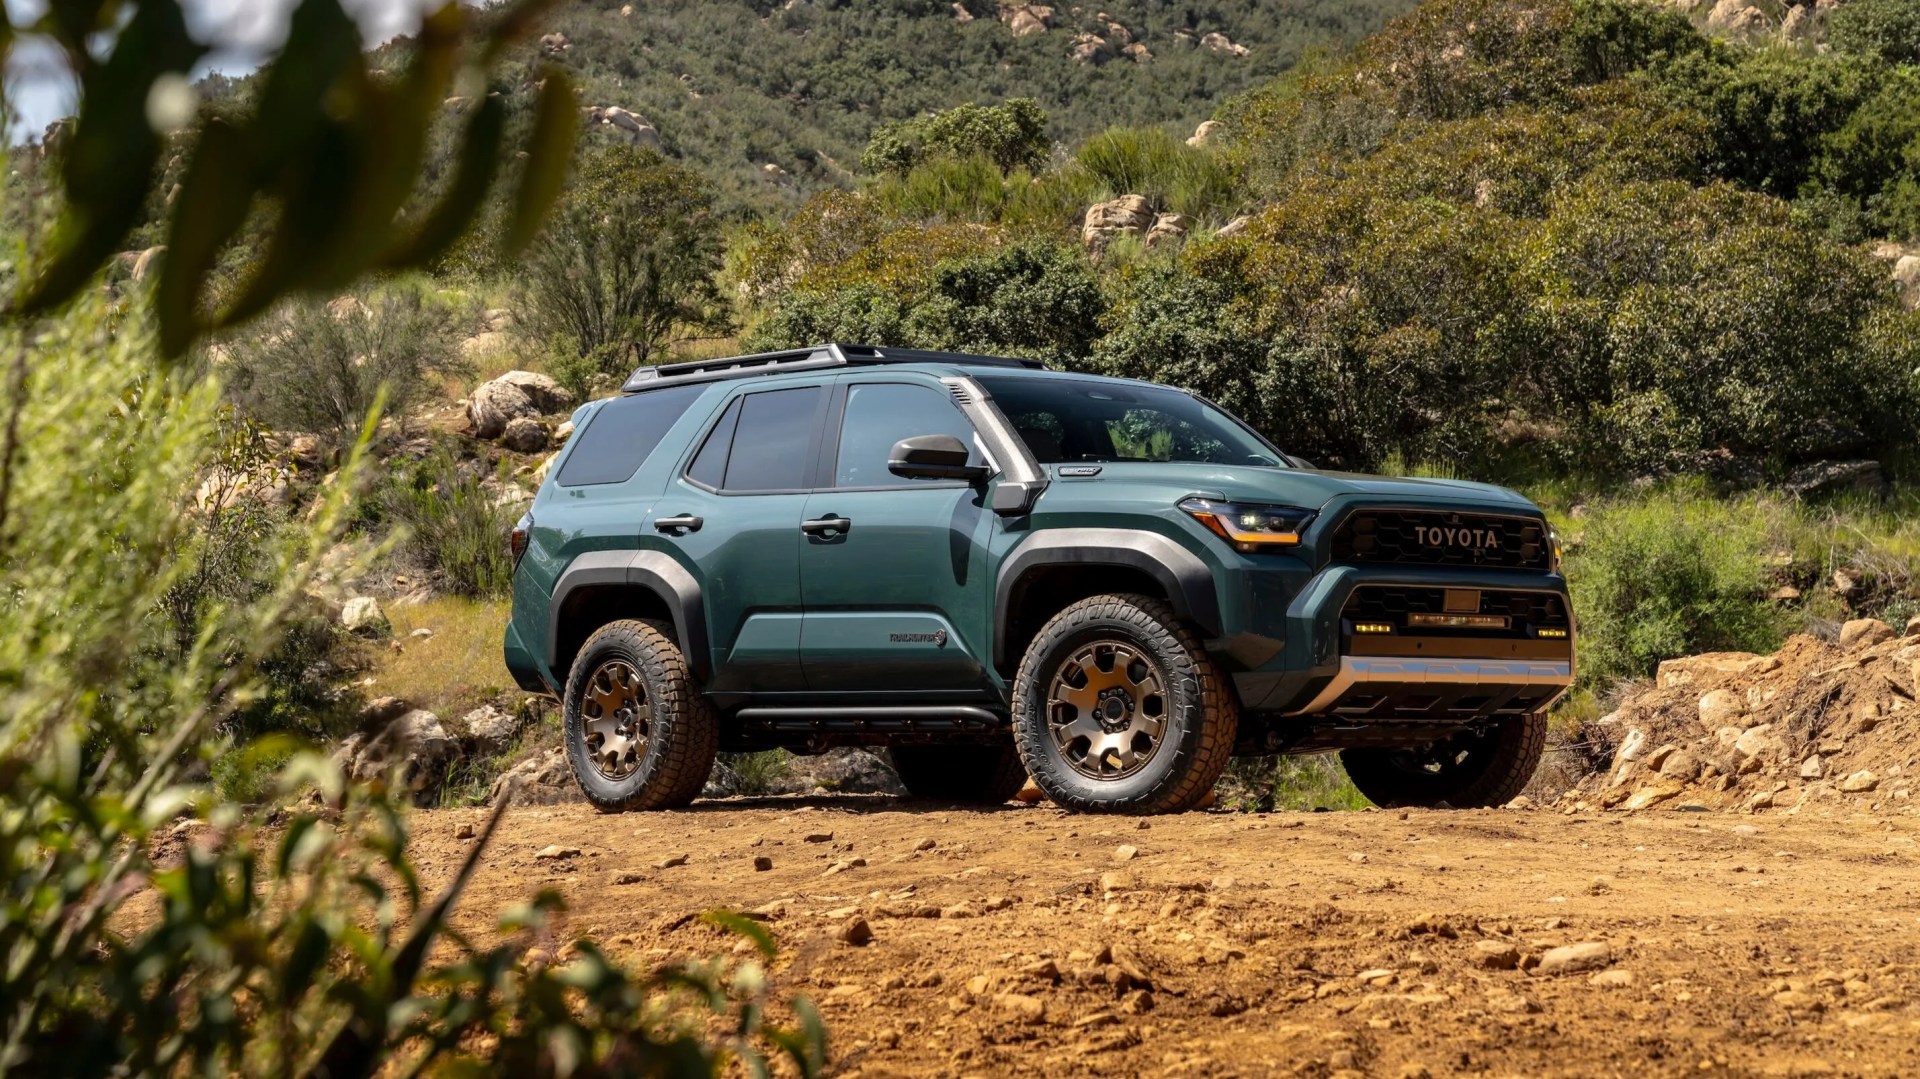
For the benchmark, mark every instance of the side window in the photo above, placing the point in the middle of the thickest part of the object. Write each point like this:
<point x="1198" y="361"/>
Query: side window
<point x="621" y="434"/>
<point x="709" y="466"/>
<point x="879" y="414"/>
<point x="764" y="442"/>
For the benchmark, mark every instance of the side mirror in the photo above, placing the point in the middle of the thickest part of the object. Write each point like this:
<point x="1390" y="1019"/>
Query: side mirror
<point x="933" y="457"/>
<point x="1301" y="462"/>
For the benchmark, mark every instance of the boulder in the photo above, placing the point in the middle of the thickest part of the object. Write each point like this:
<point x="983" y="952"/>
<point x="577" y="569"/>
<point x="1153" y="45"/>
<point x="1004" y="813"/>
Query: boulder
<point x="554" y="44"/>
<point x="1720" y="708"/>
<point x="1574" y="958"/>
<point x="961" y="15"/>
<point x="561" y="434"/>
<point x="1219" y="43"/>
<point x="1138" y="53"/>
<point x="1737" y="18"/>
<point x="492" y="405"/>
<point x="1235" y="227"/>
<point x="1128" y="215"/>
<point x="1800" y="24"/>
<point x="847" y="770"/>
<point x="305" y="451"/>
<point x="362" y="615"/>
<point x="1026" y="20"/>
<point x="1820" y="478"/>
<point x="1864" y="633"/>
<point x="544" y="778"/>
<point x="1168" y="228"/>
<point x="1204" y="133"/>
<point x="1091" y="49"/>
<point x="1906" y="277"/>
<point x="489" y="728"/>
<point x="524" y="434"/>
<point x="412" y="747"/>
<point x="547" y="395"/>
<point x="632" y="125"/>
<point x="1860" y="782"/>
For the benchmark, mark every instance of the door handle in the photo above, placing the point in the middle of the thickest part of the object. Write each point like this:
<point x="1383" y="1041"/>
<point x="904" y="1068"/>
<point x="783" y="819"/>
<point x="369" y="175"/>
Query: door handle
<point x="827" y="526"/>
<point x="678" y="526"/>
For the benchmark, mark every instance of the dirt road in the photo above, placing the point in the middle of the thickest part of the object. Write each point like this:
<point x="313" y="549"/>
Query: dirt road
<point x="1024" y="941"/>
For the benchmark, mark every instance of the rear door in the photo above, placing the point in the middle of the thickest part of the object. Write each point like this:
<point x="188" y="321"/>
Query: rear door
<point x="897" y="594"/>
<point x="734" y="512"/>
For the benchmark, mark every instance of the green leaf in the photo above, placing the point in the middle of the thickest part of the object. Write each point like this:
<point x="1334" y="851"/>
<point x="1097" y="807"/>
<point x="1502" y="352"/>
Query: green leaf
<point x="549" y="150"/>
<point x="743" y="926"/>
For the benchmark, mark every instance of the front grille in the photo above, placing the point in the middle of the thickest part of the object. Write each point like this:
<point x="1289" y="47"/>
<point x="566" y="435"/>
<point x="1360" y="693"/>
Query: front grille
<point x="1393" y="603"/>
<point x="1425" y="537"/>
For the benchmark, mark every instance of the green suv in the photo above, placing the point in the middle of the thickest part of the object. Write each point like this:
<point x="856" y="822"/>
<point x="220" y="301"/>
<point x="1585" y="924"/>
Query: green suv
<point x="995" y="571"/>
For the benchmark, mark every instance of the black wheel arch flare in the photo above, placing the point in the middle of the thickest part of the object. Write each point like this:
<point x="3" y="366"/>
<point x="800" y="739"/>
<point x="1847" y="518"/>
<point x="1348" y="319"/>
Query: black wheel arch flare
<point x="1185" y="579"/>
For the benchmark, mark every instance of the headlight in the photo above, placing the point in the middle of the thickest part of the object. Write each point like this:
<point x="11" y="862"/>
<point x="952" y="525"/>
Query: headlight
<point x="1553" y="544"/>
<point x="1249" y="527"/>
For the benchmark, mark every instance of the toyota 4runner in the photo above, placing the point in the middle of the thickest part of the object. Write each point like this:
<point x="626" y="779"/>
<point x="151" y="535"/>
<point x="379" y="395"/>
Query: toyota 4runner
<point x="997" y="571"/>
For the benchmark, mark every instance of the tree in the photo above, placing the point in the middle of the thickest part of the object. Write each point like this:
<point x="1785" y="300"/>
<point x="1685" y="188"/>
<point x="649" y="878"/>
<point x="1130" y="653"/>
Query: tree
<point x="626" y="264"/>
<point x="1012" y="136"/>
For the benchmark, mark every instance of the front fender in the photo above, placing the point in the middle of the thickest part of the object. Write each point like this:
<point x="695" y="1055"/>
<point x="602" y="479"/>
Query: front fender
<point x="1185" y="578"/>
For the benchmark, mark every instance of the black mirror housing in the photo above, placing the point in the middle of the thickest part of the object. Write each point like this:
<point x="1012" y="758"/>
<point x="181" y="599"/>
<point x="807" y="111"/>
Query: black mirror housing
<point x="933" y="457"/>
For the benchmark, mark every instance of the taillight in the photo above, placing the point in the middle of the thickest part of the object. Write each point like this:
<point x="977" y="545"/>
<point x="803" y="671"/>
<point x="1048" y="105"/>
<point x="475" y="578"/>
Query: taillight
<point x="517" y="541"/>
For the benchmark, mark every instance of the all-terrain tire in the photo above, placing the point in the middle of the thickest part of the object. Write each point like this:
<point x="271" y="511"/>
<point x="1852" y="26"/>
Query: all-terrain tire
<point x="1198" y="709"/>
<point x="973" y="775"/>
<point x="1486" y="770"/>
<point x="681" y="733"/>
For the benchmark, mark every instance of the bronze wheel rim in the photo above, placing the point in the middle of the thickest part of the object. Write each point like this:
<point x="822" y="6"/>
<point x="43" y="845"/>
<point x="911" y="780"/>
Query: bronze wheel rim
<point x="616" y="719"/>
<point x="1107" y="709"/>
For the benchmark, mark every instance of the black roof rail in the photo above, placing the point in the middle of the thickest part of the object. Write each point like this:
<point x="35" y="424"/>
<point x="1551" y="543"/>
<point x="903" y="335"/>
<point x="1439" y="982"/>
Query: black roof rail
<point x="806" y="359"/>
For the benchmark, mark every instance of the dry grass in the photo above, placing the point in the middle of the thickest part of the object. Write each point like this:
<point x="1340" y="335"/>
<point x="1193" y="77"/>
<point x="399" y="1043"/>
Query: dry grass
<point x="459" y="668"/>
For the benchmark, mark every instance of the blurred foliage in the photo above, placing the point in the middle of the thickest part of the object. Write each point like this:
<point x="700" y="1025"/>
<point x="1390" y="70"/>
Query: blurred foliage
<point x="625" y="266"/>
<point x="334" y="148"/>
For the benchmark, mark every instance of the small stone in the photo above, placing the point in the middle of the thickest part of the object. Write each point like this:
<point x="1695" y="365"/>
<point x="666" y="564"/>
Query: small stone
<point x="671" y="861"/>
<point x="1505" y="1000"/>
<point x="1137" y="1002"/>
<point x="1864" y="633"/>
<point x="1125" y="852"/>
<point x="1860" y="782"/>
<point x="556" y="851"/>
<point x="421" y="634"/>
<point x="819" y="837"/>
<point x="1721" y="708"/>
<point x="1116" y="882"/>
<point x="1813" y="767"/>
<point x="924" y="844"/>
<point x="1612" y="979"/>
<point x="465" y="831"/>
<point x="628" y="877"/>
<point x="762" y="863"/>
<point x="1574" y="958"/>
<point x="856" y="932"/>
<point x="1023" y="1008"/>
<point x="1496" y="955"/>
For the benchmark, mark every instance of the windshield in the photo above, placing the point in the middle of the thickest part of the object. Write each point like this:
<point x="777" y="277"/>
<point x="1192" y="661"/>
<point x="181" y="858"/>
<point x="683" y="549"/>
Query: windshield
<point x="1066" y="420"/>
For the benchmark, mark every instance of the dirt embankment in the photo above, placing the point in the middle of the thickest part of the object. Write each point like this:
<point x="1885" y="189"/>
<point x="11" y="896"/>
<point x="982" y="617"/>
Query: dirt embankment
<point x="1027" y="941"/>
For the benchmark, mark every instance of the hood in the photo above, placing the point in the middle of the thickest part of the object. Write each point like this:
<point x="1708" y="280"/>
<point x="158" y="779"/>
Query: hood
<point x="1298" y="487"/>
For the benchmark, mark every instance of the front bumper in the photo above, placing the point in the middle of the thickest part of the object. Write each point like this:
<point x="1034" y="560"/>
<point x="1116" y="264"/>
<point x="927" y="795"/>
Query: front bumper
<point x="1321" y="669"/>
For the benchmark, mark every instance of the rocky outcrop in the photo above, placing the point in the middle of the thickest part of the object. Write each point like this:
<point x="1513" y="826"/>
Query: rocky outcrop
<point x="544" y="778"/>
<point x="488" y="728"/>
<point x="1220" y="43"/>
<point x="1205" y="133"/>
<point x="961" y="15"/>
<point x="555" y="44"/>
<point x="1738" y="18"/>
<point x="1906" y="279"/>
<point x="1138" y="53"/>
<point x="1128" y="215"/>
<point x="410" y="747"/>
<point x="634" y="127"/>
<point x="1026" y="20"/>
<point x="1168" y="228"/>
<point x="1091" y="49"/>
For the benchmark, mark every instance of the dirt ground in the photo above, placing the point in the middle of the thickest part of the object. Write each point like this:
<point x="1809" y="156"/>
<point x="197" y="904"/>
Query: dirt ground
<point x="1390" y="943"/>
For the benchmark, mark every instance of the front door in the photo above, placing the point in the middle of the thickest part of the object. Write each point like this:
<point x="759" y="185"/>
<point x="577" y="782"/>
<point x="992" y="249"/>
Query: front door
<point x="892" y="569"/>
<point x="735" y="513"/>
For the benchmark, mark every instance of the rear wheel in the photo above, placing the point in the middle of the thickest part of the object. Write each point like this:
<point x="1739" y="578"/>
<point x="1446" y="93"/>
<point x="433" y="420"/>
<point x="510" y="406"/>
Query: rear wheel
<point x="1487" y="766"/>
<point x="638" y="734"/>
<point x="1118" y="709"/>
<point x="976" y="775"/>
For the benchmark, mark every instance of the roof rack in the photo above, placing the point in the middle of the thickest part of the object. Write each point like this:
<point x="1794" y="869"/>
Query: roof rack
<point x="807" y="359"/>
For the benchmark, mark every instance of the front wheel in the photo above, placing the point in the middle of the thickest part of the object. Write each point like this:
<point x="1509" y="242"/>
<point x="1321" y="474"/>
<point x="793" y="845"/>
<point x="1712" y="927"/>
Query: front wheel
<point x="1118" y="709"/>
<point x="638" y="734"/>
<point x="1487" y="765"/>
<point x="974" y="775"/>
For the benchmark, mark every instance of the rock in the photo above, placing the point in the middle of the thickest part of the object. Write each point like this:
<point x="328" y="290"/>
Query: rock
<point x="554" y="851"/>
<point x="143" y="264"/>
<point x="1219" y="43"/>
<point x="1676" y="673"/>
<point x="1864" y="633"/>
<point x="413" y="748"/>
<point x="1168" y="228"/>
<point x="1720" y="708"/>
<point x="1859" y="782"/>
<point x="1235" y="227"/>
<point x="845" y="770"/>
<point x="1786" y="593"/>
<point x="1756" y="741"/>
<point x="634" y="126"/>
<point x="1091" y="49"/>
<point x="1647" y="797"/>
<point x="465" y="831"/>
<point x="1612" y="979"/>
<point x="1128" y="215"/>
<point x="1025" y="20"/>
<point x="341" y="308"/>
<point x="554" y="44"/>
<point x="1506" y="1000"/>
<point x="1495" y="955"/>
<point x="925" y="844"/>
<point x="1030" y="793"/>
<point x="961" y="15"/>
<point x="490" y="728"/>
<point x="1574" y="958"/>
<point x="1813" y="767"/>
<point x="542" y="779"/>
<point x="1821" y="478"/>
<point x="524" y="434"/>
<point x="817" y="837"/>
<point x="561" y="434"/>
<point x="1681" y="765"/>
<point x="1125" y="852"/>
<point x="421" y="634"/>
<point x="363" y="617"/>
<point x="1737" y="18"/>
<point x="1204" y="133"/>
<point x="856" y="932"/>
<point x="762" y="863"/>
<point x="546" y="395"/>
<point x="1023" y="1008"/>
<point x="492" y="405"/>
<point x="1138" y="53"/>
<point x="1906" y="277"/>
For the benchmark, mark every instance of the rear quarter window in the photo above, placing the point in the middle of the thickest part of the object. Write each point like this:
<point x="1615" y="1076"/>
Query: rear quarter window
<point x="621" y="434"/>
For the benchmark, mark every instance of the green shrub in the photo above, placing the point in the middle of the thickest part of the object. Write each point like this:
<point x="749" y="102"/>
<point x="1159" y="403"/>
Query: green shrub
<point x="1151" y="162"/>
<point x="1885" y="30"/>
<point x="1266" y="784"/>
<point x="457" y="527"/>
<point x="321" y="367"/>
<point x="1682" y="572"/>
<point x="1010" y="136"/>
<point x="760" y="773"/>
